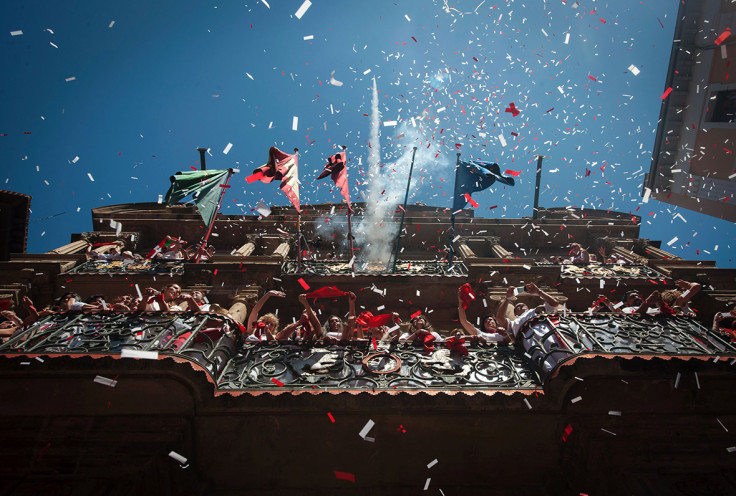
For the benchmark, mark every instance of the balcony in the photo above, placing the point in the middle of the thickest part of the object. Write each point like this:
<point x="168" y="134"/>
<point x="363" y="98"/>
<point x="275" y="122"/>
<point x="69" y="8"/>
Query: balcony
<point x="607" y="271"/>
<point x="125" y="267"/>
<point x="215" y="344"/>
<point x="410" y="267"/>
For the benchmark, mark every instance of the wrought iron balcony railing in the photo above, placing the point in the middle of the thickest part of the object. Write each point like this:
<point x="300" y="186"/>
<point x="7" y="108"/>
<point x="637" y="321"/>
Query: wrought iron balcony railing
<point x="608" y="271"/>
<point x="129" y="267"/>
<point x="407" y="267"/>
<point x="212" y="341"/>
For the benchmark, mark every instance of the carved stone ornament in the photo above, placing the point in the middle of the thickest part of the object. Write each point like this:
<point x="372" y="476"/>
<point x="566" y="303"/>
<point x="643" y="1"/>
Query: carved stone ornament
<point x="381" y="363"/>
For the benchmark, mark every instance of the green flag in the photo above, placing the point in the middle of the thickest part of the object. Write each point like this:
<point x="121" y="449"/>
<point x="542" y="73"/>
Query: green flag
<point x="204" y="184"/>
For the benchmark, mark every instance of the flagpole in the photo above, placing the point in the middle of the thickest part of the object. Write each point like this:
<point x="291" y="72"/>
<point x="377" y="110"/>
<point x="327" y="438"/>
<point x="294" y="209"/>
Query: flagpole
<point x="350" y="224"/>
<point x="535" y="212"/>
<point x="214" y="216"/>
<point x="298" y="221"/>
<point x="452" y="217"/>
<point x="403" y="212"/>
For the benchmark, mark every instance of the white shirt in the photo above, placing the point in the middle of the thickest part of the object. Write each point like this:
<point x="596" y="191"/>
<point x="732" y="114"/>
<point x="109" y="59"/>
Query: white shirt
<point x="406" y="335"/>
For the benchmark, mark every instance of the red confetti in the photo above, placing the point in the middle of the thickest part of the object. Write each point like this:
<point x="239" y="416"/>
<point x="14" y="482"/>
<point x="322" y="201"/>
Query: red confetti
<point x="345" y="476"/>
<point x="592" y="78"/>
<point x="513" y="110"/>
<point x="43" y="451"/>
<point x="416" y="314"/>
<point x="277" y="382"/>
<point x="458" y="145"/>
<point x="566" y="434"/>
<point x="331" y="417"/>
<point x="722" y="37"/>
<point x="415" y="40"/>
<point x="513" y="173"/>
<point x="494" y="206"/>
<point x="303" y="283"/>
<point x="666" y="93"/>
<point x="375" y="345"/>
<point x="215" y="273"/>
<point x="224" y="185"/>
<point x="471" y="201"/>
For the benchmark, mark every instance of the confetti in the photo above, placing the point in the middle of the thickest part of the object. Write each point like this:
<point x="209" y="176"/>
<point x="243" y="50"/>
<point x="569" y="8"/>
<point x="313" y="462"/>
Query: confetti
<point x="90" y="177"/>
<point x="566" y="433"/>
<point x="145" y="355"/>
<point x="277" y="382"/>
<point x="112" y="23"/>
<point x="432" y="463"/>
<point x="677" y="380"/>
<point x="721" y="38"/>
<point x="615" y="413"/>
<point x="70" y="79"/>
<point x="633" y="70"/>
<point x="345" y="476"/>
<point x="609" y="432"/>
<point x="672" y="241"/>
<point x="332" y="419"/>
<point x="576" y="399"/>
<point x="334" y="81"/>
<point x="666" y="93"/>
<point x="527" y="404"/>
<point x="366" y="428"/>
<point x="75" y="159"/>
<point x="176" y="456"/>
<point x="426" y="484"/>
<point x="227" y="148"/>
<point x="16" y="33"/>
<point x="309" y="37"/>
<point x="299" y="13"/>
<point x="294" y="123"/>
<point x="303" y="284"/>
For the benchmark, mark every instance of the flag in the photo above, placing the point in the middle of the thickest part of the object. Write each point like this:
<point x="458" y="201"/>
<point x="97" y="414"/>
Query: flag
<point x="475" y="176"/>
<point x="328" y="292"/>
<point x="283" y="167"/>
<point x="165" y="243"/>
<point x="204" y="185"/>
<point x="336" y="168"/>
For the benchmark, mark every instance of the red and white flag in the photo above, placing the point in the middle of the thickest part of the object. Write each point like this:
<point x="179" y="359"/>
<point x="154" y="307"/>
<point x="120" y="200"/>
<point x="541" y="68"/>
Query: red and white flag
<point x="336" y="168"/>
<point x="283" y="167"/>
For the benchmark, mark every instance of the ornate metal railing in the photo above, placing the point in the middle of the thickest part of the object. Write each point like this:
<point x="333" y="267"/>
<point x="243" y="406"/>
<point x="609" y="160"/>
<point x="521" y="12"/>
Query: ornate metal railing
<point x="205" y="338"/>
<point x="409" y="267"/>
<point x="129" y="267"/>
<point x="213" y="341"/>
<point x="609" y="271"/>
<point x="358" y="365"/>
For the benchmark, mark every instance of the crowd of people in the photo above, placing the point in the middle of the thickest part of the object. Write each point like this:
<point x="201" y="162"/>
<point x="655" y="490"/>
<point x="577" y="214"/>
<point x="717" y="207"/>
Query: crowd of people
<point x="505" y="326"/>
<point x="170" y="248"/>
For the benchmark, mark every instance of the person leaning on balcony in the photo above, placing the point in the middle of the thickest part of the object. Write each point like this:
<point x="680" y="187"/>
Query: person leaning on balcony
<point x="578" y="254"/>
<point x="522" y="313"/>
<point x="306" y="327"/>
<point x="334" y="328"/>
<point x="603" y="305"/>
<point x="490" y="331"/>
<point x="175" y="251"/>
<point x="419" y="328"/>
<point x="265" y="326"/>
<point x="163" y="301"/>
<point x="679" y="299"/>
<point x="725" y="324"/>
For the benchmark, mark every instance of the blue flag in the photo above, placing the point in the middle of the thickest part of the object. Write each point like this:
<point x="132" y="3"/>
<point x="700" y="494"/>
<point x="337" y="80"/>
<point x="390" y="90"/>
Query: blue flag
<point x="475" y="176"/>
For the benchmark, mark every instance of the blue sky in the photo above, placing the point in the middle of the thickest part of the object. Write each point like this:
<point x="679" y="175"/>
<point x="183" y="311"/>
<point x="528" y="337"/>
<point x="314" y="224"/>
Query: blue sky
<point x="154" y="80"/>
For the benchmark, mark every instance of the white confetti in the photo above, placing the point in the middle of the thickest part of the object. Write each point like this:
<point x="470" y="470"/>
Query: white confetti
<point x="294" y="123"/>
<point x="724" y="427"/>
<point x="105" y="381"/>
<point x="266" y="3"/>
<point x="366" y="71"/>
<point x="227" y="148"/>
<point x="303" y="9"/>
<point x="70" y="79"/>
<point x="75" y="159"/>
<point x="614" y="412"/>
<point x="432" y="463"/>
<point x="176" y="456"/>
<point x="90" y="177"/>
<point x="16" y="33"/>
<point x="160" y="199"/>
<point x="647" y="192"/>
<point x="677" y="380"/>
<point x="634" y="70"/>
<point x="724" y="52"/>
<point x="389" y="123"/>
<point x="55" y="46"/>
<point x="576" y="399"/>
<point x="409" y="19"/>
<point x="502" y="139"/>
<point x="263" y="209"/>
<point x="672" y="241"/>
<point x="334" y="82"/>
<point x="146" y="355"/>
<point x="527" y="404"/>
<point x="112" y="23"/>
<point x="366" y="428"/>
<point x="426" y="484"/>
<point x="611" y="433"/>
<point x="251" y="77"/>
<point x="731" y="449"/>
<point x="567" y="38"/>
<point x="309" y="37"/>
<point x="697" y="381"/>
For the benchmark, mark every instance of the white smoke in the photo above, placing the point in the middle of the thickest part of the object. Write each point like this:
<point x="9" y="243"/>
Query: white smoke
<point x="376" y="232"/>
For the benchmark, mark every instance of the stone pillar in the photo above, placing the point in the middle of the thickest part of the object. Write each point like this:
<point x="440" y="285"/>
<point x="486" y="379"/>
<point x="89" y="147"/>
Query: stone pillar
<point x="68" y="249"/>
<point x="282" y="250"/>
<point x="245" y="250"/>
<point x="465" y="251"/>
<point x="243" y="301"/>
<point x="500" y="252"/>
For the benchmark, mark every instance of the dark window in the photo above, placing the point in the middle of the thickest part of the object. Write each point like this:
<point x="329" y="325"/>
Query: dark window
<point x="724" y="107"/>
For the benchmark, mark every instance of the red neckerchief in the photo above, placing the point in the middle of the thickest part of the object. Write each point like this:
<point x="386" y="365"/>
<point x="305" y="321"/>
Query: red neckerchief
<point x="456" y="345"/>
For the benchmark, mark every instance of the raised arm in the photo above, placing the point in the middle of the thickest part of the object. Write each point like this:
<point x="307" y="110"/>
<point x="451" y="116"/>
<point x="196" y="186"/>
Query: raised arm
<point x="313" y="320"/>
<point x="349" y="327"/>
<point x="253" y="316"/>
<point x="549" y="300"/>
<point x="503" y="307"/>
<point x="463" y="318"/>
<point x="689" y="289"/>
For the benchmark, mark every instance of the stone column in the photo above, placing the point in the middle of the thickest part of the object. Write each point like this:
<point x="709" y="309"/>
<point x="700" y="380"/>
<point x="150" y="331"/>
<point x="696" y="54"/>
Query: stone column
<point x="243" y="301"/>
<point x="245" y="250"/>
<point x="68" y="249"/>
<point x="282" y="250"/>
<point x="465" y="251"/>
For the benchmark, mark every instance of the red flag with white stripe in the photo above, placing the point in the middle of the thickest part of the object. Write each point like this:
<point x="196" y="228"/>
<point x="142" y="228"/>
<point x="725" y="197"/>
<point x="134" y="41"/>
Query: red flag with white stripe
<point x="337" y="168"/>
<point x="283" y="167"/>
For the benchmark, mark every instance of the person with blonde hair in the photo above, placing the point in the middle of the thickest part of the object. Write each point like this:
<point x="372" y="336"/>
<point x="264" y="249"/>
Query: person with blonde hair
<point x="263" y="327"/>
